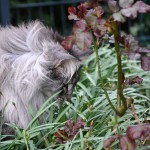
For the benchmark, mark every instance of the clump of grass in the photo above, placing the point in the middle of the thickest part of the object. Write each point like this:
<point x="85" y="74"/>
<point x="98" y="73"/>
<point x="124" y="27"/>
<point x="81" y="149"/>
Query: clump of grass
<point x="89" y="104"/>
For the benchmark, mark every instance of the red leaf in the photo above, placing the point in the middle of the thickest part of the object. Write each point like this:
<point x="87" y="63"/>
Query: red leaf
<point x="126" y="143"/>
<point x="99" y="11"/>
<point x="138" y="131"/>
<point x="82" y="10"/>
<point x="72" y="10"/>
<point x="107" y="143"/>
<point x="68" y="42"/>
<point x="72" y="13"/>
<point x="69" y="126"/>
<point x="134" y="80"/>
<point x="60" y="134"/>
<point x="79" y="124"/>
<point x="145" y="63"/>
<point x="141" y="7"/>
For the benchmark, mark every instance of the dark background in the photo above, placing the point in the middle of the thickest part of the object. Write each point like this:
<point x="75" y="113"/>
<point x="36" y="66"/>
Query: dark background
<point x="54" y="14"/>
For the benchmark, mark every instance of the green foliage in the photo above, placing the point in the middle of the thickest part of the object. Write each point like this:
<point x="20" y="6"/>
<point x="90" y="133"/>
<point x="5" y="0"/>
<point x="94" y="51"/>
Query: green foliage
<point x="89" y="103"/>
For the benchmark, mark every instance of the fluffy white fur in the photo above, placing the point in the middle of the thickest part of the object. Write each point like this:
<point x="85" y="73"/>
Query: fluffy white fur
<point x="29" y="55"/>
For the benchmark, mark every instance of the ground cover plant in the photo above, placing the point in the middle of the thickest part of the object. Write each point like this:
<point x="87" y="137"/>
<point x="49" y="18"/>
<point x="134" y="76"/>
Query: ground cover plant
<point x="110" y="107"/>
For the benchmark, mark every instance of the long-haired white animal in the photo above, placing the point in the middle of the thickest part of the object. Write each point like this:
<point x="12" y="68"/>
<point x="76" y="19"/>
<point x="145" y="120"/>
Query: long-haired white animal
<point x="33" y="66"/>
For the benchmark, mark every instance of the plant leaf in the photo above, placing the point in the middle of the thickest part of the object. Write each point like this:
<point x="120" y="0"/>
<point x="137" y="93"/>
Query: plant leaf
<point x="84" y="40"/>
<point x="119" y="17"/>
<point x="134" y="80"/>
<point x="99" y="11"/>
<point x="145" y="63"/>
<point x="68" y="42"/>
<point x="113" y="6"/>
<point x="138" y="131"/>
<point x="125" y="3"/>
<point x="141" y="7"/>
<point x="126" y="143"/>
<point x="138" y="7"/>
<point x="107" y="143"/>
<point x="72" y="13"/>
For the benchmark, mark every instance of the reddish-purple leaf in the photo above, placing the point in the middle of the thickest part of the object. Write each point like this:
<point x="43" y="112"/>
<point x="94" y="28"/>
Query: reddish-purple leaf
<point x="126" y="143"/>
<point x="113" y="5"/>
<point x="71" y="10"/>
<point x="138" y="7"/>
<point x="138" y="131"/>
<point x="107" y="143"/>
<point x="84" y="40"/>
<point x="82" y="10"/>
<point x="79" y="124"/>
<point x="60" y="134"/>
<point x="125" y="3"/>
<point x="145" y="63"/>
<point x="134" y="80"/>
<point x="69" y="126"/>
<point x="68" y="42"/>
<point x="72" y="13"/>
<point x="99" y="11"/>
<point x="141" y="7"/>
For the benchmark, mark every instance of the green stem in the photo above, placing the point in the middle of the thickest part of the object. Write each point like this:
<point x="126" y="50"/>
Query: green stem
<point x="121" y="98"/>
<point x="100" y="78"/>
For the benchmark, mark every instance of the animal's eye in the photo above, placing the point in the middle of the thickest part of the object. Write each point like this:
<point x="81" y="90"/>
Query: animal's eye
<point x="56" y="74"/>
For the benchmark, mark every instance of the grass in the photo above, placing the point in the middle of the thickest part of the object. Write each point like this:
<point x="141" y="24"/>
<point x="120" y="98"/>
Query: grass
<point x="89" y="103"/>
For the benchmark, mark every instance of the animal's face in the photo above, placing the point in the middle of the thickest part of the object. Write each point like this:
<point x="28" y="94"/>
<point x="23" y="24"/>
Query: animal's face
<point x="61" y="70"/>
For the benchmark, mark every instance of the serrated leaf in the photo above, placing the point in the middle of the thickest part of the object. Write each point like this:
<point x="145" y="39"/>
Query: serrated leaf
<point x="125" y="3"/>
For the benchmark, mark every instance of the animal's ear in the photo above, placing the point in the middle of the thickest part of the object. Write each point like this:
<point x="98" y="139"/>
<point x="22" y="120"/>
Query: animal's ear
<point x="79" y="54"/>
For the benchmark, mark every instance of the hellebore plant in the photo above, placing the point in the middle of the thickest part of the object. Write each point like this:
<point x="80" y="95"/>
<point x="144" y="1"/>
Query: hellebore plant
<point x="90" y="28"/>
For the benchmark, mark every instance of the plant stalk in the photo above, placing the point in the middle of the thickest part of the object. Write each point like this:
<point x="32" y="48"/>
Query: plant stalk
<point x="101" y="81"/>
<point x="120" y="96"/>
